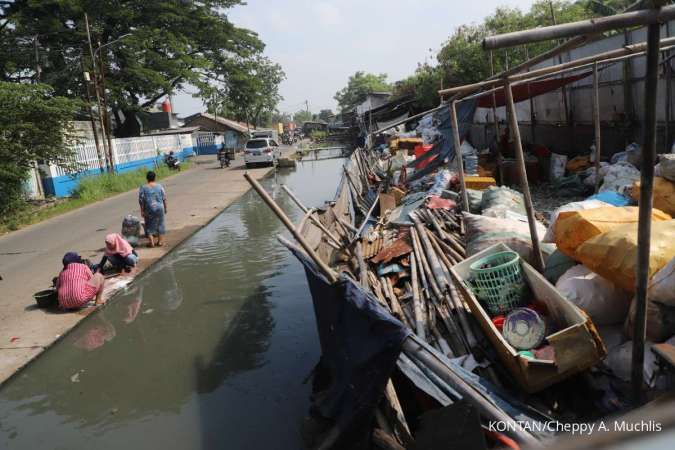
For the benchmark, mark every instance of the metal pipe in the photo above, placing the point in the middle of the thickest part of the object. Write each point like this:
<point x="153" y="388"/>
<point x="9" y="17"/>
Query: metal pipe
<point x="327" y="271"/>
<point x="645" y="214"/>
<point x="592" y="26"/>
<point x="525" y="186"/>
<point x="623" y="51"/>
<point x="458" y="154"/>
<point x="596" y="123"/>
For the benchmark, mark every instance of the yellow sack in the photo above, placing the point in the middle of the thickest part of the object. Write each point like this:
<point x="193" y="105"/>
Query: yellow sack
<point x="573" y="228"/>
<point x="613" y="254"/>
<point x="664" y="194"/>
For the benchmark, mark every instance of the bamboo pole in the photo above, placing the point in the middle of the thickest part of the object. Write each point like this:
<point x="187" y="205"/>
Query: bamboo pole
<point x="592" y="26"/>
<point x="363" y="269"/>
<point x="596" y="123"/>
<point x="645" y="213"/>
<point x="525" y="186"/>
<point x="314" y="219"/>
<point x="458" y="153"/>
<point x="417" y="304"/>
<point x="327" y="271"/>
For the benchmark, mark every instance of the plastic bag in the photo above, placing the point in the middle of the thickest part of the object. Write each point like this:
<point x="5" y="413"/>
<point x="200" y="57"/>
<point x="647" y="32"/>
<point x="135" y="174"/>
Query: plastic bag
<point x="613" y="254"/>
<point x="556" y="265"/>
<point x="666" y="166"/>
<point x="475" y="200"/>
<point x="604" y="303"/>
<point x="131" y="229"/>
<point x="662" y="285"/>
<point x="663" y="194"/>
<point x="501" y="199"/>
<point x="611" y="197"/>
<point x="619" y="360"/>
<point x="574" y="206"/>
<point x="558" y="163"/>
<point x="660" y="321"/>
<point x="483" y="232"/>
<point x="620" y="177"/>
<point x="573" y="228"/>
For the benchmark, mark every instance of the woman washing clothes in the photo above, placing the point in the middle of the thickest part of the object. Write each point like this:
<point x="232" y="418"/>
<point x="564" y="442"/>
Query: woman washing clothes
<point x="77" y="285"/>
<point x="152" y="199"/>
<point x="119" y="253"/>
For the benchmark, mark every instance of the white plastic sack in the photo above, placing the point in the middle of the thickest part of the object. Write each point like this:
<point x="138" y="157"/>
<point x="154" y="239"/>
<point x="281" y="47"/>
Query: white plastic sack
<point x="605" y="303"/>
<point x="666" y="167"/>
<point x="620" y="177"/>
<point x="574" y="206"/>
<point x="558" y="163"/>
<point x="619" y="360"/>
<point x="662" y="285"/>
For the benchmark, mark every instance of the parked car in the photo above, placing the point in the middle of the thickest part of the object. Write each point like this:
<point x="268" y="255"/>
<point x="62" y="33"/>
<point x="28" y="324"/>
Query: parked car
<point x="261" y="151"/>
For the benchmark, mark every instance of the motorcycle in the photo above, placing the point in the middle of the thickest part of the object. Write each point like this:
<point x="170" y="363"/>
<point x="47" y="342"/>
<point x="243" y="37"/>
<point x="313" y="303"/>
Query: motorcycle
<point x="224" y="158"/>
<point x="172" y="162"/>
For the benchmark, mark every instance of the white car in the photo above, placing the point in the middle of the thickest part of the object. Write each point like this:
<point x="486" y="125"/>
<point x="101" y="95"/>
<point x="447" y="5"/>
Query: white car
<point x="261" y="151"/>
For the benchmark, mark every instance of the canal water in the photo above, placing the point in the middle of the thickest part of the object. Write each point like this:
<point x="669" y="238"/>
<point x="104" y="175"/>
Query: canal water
<point x="206" y="350"/>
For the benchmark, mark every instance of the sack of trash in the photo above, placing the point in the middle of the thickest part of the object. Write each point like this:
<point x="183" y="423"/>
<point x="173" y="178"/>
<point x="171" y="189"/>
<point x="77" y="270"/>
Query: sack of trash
<point x="496" y="201"/>
<point x="619" y="361"/>
<point x="573" y="206"/>
<point x="131" y="229"/>
<point x="578" y="164"/>
<point x="619" y="177"/>
<point x="556" y="265"/>
<point x="475" y="200"/>
<point x="632" y="155"/>
<point x="662" y="285"/>
<point x="663" y="194"/>
<point x="605" y="303"/>
<point x="570" y="186"/>
<point x="483" y="232"/>
<point x="573" y="228"/>
<point x="613" y="254"/>
<point x="660" y="321"/>
<point x="666" y="167"/>
<point x="557" y="167"/>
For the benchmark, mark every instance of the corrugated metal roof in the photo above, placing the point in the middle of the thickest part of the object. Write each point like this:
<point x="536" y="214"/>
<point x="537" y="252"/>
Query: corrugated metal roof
<point x="223" y="121"/>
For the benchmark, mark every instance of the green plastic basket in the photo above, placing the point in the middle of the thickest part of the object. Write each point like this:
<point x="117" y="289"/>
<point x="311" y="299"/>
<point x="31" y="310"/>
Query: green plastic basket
<point x="498" y="282"/>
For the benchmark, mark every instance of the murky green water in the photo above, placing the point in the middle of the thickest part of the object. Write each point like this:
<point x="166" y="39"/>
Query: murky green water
<point x="208" y="349"/>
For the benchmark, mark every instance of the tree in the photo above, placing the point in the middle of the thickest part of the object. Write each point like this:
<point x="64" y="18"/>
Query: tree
<point x="326" y="115"/>
<point x="302" y="116"/>
<point x="358" y="87"/>
<point x="36" y="125"/>
<point x="249" y="90"/>
<point x="423" y="86"/>
<point x="172" y="43"/>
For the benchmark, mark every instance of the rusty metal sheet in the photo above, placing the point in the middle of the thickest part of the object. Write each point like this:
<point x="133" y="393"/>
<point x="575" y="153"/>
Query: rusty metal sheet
<point x="399" y="247"/>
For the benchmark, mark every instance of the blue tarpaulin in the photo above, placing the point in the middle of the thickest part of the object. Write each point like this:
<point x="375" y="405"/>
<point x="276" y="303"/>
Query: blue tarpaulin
<point x="445" y="147"/>
<point x="360" y="343"/>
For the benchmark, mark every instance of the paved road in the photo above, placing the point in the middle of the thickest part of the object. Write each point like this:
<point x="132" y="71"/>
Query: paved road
<point x="31" y="257"/>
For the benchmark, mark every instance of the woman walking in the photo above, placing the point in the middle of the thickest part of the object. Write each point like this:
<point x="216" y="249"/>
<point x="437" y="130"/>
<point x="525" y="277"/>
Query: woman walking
<point x="152" y="199"/>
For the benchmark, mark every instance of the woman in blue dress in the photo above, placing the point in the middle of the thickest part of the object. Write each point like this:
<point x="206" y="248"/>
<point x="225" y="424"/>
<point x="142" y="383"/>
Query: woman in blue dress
<point x="152" y="199"/>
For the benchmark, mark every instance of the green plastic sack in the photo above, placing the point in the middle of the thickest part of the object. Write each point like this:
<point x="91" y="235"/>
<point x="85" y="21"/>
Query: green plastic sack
<point x="556" y="265"/>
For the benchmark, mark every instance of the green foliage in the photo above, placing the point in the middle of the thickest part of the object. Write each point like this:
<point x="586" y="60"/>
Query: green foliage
<point x="249" y="90"/>
<point x="326" y="115"/>
<point x="35" y="125"/>
<point x="302" y="116"/>
<point x="358" y="87"/>
<point x="317" y="135"/>
<point x="172" y="43"/>
<point x="423" y="86"/>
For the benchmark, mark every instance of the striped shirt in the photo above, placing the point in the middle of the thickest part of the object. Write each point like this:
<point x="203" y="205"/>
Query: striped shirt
<point x="73" y="286"/>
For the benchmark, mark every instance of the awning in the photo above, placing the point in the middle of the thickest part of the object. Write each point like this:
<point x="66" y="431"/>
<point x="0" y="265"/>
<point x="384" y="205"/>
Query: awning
<point x="527" y="90"/>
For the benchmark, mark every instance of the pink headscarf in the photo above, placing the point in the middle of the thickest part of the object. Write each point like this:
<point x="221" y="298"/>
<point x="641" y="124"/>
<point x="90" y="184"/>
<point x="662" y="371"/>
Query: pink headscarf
<point x="117" y="245"/>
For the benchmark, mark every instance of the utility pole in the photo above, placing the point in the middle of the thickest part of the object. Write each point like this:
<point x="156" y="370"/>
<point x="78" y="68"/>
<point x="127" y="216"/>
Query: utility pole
<point x="107" y="151"/>
<point x="108" y="122"/>
<point x="91" y="117"/>
<point x="307" y="107"/>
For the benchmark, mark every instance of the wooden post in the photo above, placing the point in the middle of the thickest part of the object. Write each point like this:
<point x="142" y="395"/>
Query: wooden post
<point x="645" y="214"/>
<point x="533" y="119"/>
<point x="596" y="124"/>
<point x="458" y="153"/>
<point x="525" y="186"/>
<point x="327" y="271"/>
<point x="500" y="168"/>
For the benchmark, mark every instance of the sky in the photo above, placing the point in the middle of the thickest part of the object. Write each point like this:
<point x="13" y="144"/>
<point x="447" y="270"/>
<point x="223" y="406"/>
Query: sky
<point x="320" y="43"/>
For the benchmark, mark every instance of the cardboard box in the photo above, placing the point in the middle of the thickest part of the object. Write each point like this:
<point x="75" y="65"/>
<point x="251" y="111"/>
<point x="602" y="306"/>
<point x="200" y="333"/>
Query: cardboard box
<point x="479" y="183"/>
<point x="577" y="344"/>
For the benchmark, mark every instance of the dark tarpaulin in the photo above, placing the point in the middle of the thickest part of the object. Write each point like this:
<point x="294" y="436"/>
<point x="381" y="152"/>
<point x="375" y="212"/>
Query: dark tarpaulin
<point x="445" y="147"/>
<point x="523" y="91"/>
<point x="360" y="343"/>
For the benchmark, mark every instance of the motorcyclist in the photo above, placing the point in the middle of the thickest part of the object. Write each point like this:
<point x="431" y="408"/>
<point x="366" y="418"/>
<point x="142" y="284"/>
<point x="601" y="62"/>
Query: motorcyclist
<point x="172" y="162"/>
